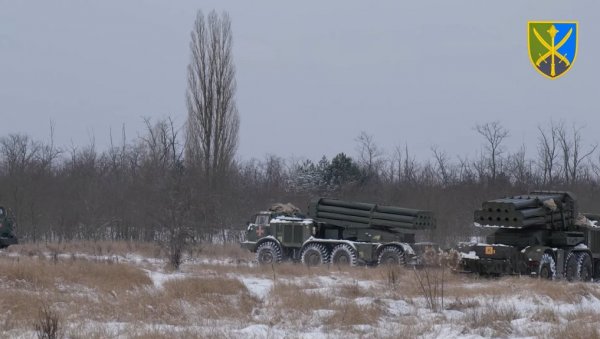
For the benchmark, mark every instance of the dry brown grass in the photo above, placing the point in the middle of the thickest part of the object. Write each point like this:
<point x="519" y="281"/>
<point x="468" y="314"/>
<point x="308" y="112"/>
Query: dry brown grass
<point x="545" y="314"/>
<point x="564" y="291"/>
<point x="18" y="308"/>
<point x="102" y="291"/>
<point x="225" y="297"/>
<point x="233" y="251"/>
<point x="284" y="271"/>
<point x="293" y="298"/>
<point x="194" y="288"/>
<point x="465" y="287"/>
<point x="497" y="318"/>
<point x="351" y="291"/>
<point x="414" y="328"/>
<point x="43" y="275"/>
<point x="459" y="304"/>
<point x="97" y="248"/>
<point x="576" y="330"/>
<point x="349" y="313"/>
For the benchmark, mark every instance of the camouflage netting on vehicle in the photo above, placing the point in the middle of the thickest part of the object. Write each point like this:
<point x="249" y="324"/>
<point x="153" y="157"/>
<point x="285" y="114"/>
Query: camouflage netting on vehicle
<point x="285" y="209"/>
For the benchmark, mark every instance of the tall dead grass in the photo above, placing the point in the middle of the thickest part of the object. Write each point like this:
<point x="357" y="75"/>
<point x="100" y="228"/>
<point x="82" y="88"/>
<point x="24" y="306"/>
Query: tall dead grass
<point x="335" y="299"/>
<point x="292" y="298"/>
<point x="576" y="330"/>
<point x="498" y="318"/>
<point x="18" y="308"/>
<point x="95" y="248"/>
<point x="43" y="275"/>
<point x="222" y="297"/>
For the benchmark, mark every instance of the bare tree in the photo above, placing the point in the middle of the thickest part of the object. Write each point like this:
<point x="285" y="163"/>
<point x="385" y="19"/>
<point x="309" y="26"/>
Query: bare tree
<point x="443" y="164"/>
<point x="465" y="170"/>
<point x="398" y="160"/>
<point x="410" y="167"/>
<point x="162" y="143"/>
<point x="213" y="119"/>
<point x="369" y="154"/>
<point x="572" y="154"/>
<point x="579" y="155"/>
<point x="494" y="134"/>
<point x="520" y="167"/>
<point x="548" y="152"/>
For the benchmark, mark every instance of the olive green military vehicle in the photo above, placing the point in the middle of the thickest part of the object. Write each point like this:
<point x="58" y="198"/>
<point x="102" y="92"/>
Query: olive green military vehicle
<point x="539" y="234"/>
<point x="339" y="232"/>
<point x="7" y="233"/>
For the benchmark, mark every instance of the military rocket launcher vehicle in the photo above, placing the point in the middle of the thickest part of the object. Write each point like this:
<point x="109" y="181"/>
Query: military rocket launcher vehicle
<point x="540" y="234"/>
<point x="340" y="232"/>
<point x="7" y="232"/>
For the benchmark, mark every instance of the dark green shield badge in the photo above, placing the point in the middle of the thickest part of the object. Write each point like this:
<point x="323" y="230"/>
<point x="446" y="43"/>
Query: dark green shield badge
<point x="552" y="46"/>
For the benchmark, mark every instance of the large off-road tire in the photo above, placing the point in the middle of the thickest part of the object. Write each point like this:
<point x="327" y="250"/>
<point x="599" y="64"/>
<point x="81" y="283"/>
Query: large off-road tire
<point x="571" y="266"/>
<point x="344" y="254"/>
<point x="268" y="253"/>
<point x="391" y="255"/>
<point x="547" y="268"/>
<point x="584" y="266"/>
<point x="314" y="255"/>
<point x="596" y="270"/>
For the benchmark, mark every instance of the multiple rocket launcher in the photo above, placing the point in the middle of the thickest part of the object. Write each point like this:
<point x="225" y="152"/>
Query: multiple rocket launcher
<point x="552" y="210"/>
<point x="360" y="215"/>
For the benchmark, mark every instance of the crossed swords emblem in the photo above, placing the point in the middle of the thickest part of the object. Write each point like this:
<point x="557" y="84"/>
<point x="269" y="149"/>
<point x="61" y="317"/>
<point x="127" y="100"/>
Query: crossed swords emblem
<point x="552" y="48"/>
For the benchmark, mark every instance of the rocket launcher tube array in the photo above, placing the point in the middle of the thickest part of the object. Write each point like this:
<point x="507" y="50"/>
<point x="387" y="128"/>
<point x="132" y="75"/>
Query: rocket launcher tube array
<point x="357" y="214"/>
<point x="528" y="210"/>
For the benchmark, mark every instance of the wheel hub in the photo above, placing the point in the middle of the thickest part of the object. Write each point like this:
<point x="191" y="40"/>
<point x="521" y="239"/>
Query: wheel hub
<point x="342" y="259"/>
<point x="314" y="259"/>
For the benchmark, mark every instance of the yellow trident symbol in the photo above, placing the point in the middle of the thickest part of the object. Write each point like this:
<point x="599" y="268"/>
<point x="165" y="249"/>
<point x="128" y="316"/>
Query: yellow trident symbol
<point x="552" y="48"/>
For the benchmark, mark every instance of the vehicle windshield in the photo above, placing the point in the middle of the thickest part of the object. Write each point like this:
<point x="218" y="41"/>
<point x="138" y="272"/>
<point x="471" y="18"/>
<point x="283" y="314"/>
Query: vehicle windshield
<point x="262" y="219"/>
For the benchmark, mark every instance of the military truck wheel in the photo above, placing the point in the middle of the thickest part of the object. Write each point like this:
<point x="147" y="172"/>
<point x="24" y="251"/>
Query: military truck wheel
<point x="547" y="269"/>
<point x="268" y="253"/>
<point x="571" y="266"/>
<point x="314" y="255"/>
<point x="391" y="255"/>
<point x="343" y="254"/>
<point x="584" y="266"/>
<point x="596" y="270"/>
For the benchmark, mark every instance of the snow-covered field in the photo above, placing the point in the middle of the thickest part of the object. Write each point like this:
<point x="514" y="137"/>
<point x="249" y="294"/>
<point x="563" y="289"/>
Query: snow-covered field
<point x="108" y="290"/>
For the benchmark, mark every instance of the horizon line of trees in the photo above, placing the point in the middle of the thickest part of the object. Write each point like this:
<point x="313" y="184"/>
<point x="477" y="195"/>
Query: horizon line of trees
<point x="145" y="188"/>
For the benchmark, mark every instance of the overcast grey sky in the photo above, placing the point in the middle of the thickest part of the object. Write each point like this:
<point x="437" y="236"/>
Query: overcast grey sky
<point x="311" y="74"/>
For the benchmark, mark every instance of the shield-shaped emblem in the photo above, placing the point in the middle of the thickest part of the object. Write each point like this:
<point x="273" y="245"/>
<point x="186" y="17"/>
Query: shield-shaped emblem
<point x="552" y="46"/>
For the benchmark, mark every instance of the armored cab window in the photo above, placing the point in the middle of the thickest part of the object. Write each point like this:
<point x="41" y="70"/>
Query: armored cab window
<point x="262" y="219"/>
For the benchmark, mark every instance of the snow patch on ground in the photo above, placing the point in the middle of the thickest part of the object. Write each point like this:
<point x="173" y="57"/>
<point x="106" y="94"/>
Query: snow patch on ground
<point x="258" y="287"/>
<point x="399" y="307"/>
<point x="400" y="314"/>
<point x="159" y="278"/>
<point x="256" y="331"/>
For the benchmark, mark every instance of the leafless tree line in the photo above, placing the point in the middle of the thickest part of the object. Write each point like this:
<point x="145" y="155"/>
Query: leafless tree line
<point x="145" y="188"/>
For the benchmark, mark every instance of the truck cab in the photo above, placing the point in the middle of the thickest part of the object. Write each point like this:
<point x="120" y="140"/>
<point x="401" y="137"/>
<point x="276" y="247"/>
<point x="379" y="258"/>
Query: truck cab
<point x="259" y="226"/>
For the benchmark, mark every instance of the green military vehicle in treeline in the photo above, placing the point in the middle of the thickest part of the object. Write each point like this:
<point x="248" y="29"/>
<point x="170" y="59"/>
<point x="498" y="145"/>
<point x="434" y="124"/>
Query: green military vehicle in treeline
<point x="7" y="232"/>
<point x="539" y="234"/>
<point x="339" y="232"/>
